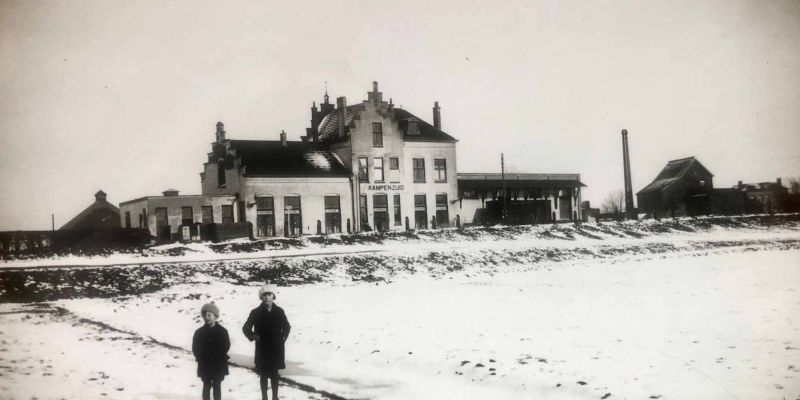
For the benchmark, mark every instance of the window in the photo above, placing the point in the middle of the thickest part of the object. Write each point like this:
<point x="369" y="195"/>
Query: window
<point x="442" y="215"/>
<point x="440" y="170"/>
<point x="377" y="134"/>
<point x="363" y="174"/>
<point x="127" y="219"/>
<point x="333" y="214"/>
<point x="420" y="211"/>
<point x="227" y="214"/>
<point x="292" y="216"/>
<point x="362" y="212"/>
<point x="394" y="169"/>
<point x="220" y="174"/>
<point x="208" y="214"/>
<point x="141" y="220"/>
<point x="265" y="216"/>
<point x="144" y="219"/>
<point x="186" y="216"/>
<point x="380" y="212"/>
<point x="397" y="217"/>
<point x="377" y="164"/>
<point x="419" y="170"/>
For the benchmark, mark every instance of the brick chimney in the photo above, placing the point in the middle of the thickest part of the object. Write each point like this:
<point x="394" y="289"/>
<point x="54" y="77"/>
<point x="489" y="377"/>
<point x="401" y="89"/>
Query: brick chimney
<point x="341" y="109"/>
<point x="170" y="193"/>
<point x="375" y="96"/>
<point x="220" y="132"/>
<point x="437" y="119"/>
<point x="779" y="182"/>
<point x="283" y="138"/>
<point x="739" y="185"/>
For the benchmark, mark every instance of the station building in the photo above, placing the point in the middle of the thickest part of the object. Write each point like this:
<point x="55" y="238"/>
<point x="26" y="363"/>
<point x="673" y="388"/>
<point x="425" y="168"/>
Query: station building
<point x="360" y="167"/>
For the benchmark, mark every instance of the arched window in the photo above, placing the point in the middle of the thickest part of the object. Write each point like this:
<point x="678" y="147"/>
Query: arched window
<point x="265" y="216"/>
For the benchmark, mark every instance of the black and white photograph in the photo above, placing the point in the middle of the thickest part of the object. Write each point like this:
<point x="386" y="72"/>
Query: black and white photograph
<point x="351" y="200"/>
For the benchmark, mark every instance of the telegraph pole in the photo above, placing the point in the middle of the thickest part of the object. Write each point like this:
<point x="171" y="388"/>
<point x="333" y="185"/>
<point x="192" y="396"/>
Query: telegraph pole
<point x="503" y="179"/>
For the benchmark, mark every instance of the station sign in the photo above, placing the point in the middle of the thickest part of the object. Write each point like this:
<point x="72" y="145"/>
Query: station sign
<point x="385" y="187"/>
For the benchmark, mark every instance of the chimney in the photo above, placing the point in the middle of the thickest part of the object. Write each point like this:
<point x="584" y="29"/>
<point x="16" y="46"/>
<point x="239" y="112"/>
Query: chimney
<point x="739" y="185"/>
<point x="100" y="196"/>
<point x="170" y="193"/>
<point x="437" y="119"/>
<point x="220" y="132"/>
<point x="413" y="127"/>
<point x="630" y="213"/>
<point x="341" y="109"/>
<point x="779" y="182"/>
<point x="283" y="138"/>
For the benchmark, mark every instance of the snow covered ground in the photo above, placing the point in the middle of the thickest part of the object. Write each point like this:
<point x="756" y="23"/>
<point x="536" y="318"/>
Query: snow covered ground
<point x="714" y="320"/>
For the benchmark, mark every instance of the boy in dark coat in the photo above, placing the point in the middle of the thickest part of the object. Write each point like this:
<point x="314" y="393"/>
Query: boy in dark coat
<point x="210" y="347"/>
<point x="268" y="326"/>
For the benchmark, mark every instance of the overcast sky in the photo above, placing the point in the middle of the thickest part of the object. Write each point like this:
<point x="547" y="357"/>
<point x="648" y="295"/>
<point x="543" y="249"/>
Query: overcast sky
<point x="124" y="96"/>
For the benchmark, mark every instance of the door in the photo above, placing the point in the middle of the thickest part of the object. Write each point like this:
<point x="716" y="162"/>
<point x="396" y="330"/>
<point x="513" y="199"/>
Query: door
<point x="292" y="217"/>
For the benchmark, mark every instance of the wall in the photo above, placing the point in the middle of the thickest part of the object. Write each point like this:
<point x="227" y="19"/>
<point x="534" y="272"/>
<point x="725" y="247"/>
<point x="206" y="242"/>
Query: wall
<point x="173" y="205"/>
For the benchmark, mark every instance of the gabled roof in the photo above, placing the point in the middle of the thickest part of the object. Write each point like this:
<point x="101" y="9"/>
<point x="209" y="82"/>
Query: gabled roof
<point x="673" y="172"/>
<point x="100" y="208"/>
<point x="270" y="158"/>
<point x="329" y="126"/>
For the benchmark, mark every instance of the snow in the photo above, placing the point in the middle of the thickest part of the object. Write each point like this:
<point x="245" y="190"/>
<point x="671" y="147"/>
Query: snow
<point x="702" y="320"/>
<point x="319" y="160"/>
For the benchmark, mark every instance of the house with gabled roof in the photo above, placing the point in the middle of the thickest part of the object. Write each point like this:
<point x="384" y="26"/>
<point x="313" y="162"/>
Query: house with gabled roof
<point x="683" y="187"/>
<point x="99" y="215"/>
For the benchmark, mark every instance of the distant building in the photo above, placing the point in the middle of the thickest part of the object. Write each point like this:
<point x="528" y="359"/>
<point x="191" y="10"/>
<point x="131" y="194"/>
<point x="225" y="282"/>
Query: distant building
<point x="765" y="197"/>
<point x="99" y="215"/>
<point x="683" y="187"/>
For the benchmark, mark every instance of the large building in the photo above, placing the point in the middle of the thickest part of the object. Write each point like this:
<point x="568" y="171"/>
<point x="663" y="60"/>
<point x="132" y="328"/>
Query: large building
<point x="359" y="167"/>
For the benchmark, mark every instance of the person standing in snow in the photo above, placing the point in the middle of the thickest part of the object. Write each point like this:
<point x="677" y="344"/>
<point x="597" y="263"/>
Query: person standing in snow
<point x="268" y="327"/>
<point x="210" y="346"/>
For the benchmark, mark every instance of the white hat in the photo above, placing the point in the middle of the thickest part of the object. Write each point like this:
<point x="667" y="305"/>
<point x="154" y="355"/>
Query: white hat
<point x="267" y="288"/>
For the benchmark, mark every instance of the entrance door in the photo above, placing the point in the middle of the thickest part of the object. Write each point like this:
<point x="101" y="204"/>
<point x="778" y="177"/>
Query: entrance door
<point x="292" y="217"/>
<point x="380" y="210"/>
<point x="420" y="211"/>
<point x="162" y="224"/>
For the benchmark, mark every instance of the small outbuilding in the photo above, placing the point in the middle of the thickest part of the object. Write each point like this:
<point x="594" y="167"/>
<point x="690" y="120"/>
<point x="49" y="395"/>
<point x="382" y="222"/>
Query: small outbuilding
<point x="684" y="187"/>
<point x="99" y="215"/>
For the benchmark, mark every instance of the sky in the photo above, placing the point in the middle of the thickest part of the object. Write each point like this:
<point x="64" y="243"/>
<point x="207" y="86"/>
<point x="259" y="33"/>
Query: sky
<point x="124" y="96"/>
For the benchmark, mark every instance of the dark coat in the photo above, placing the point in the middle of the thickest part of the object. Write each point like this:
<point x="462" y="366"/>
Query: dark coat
<point x="272" y="329"/>
<point x="210" y="347"/>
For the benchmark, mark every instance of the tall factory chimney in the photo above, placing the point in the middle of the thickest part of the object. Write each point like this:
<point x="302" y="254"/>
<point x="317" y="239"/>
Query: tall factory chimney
<point x="630" y="212"/>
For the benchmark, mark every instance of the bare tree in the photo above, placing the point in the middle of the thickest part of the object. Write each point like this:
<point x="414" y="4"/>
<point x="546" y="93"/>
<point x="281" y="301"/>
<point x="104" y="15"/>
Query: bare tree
<point x="614" y="203"/>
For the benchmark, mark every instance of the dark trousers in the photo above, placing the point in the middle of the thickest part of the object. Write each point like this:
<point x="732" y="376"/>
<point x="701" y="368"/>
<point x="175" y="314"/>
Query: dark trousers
<point x="271" y="378"/>
<point x="209" y="384"/>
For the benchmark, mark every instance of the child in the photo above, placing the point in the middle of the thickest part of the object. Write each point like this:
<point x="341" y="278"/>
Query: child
<point x="268" y="326"/>
<point x="210" y="347"/>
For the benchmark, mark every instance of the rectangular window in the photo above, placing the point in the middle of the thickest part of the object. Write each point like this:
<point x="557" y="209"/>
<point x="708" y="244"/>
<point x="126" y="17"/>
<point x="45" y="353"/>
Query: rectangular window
<point x="398" y="218"/>
<point x="227" y="214"/>
<point x="220" y="174"/>
<point x="333" y="215"/>
<point x="127" y="219"/>
<point x="265" y="216"/>
<point x="363" y="172"/>
<point x="440" y="170"/>
<point x="377" y="134"/>
<point x="141" y="220"/>
<point x="419" y="170"/>
<point x="442" y="215"/>
<point x="186" y="216"/>
<point x="144" y="219"/>
<point x="394" y="169"/>
<point x="420" y="211"/>
<point x="377" y="164"/>
<point x="208" y="215"/>
<point x="362" y="212"/>
<point x="292" y="216"/>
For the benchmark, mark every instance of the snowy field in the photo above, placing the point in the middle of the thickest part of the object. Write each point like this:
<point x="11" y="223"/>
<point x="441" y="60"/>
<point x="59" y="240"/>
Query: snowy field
<point x="693" y="322"/>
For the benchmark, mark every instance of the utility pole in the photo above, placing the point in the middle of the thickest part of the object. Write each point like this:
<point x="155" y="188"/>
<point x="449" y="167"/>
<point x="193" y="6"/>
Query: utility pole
<point x="503" y="179"/>
<point x="53" y="221"/>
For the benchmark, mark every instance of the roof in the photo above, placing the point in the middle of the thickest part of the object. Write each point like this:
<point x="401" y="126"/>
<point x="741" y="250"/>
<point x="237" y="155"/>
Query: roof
<point x="329" y="126"/>
<point x="181" y="196"/>
<point x="516" y="180"/>
<point x="99" y="208"/>
<point x="270" y="158"/>
<point x="761" y="186"/>
<point x="673" y="172"/>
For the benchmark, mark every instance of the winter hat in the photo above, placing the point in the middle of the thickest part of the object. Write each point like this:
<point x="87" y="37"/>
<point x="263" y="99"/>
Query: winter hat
<point x="267" y="288"/>
<point x="210" y="307"/>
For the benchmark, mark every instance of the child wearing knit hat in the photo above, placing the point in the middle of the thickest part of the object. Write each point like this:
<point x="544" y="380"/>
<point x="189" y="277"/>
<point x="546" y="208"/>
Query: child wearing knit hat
<point x="210" y="346"/>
